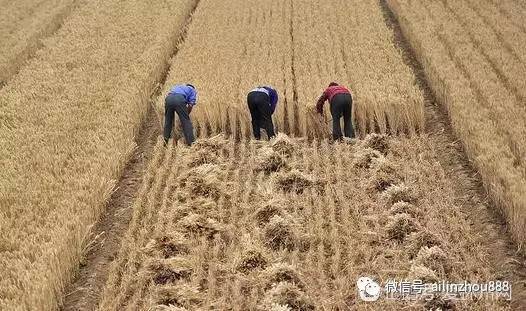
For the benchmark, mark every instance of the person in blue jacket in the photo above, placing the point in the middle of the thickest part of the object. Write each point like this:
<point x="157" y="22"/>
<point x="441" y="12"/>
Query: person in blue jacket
<point x="262" y="102"/>
<point x="180" y="99"/>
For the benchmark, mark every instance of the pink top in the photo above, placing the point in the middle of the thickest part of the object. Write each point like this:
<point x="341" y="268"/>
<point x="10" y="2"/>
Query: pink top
<point x="328" y="94"/>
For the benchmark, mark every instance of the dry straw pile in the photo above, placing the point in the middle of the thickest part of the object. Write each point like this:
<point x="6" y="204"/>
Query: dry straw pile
<point x="67" y="124"/>
<point x="252" y="244"/>
<point x="473" y="55"/>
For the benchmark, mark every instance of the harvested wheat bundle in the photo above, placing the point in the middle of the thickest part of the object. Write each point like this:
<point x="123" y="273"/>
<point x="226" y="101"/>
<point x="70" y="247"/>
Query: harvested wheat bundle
<point x="419" y="272"/>
<point x="318" y="125"/>
<point x="176" y="296"/>
<point x="382" y="164"/>
<point x="215" y="144"/>
<point x="251" y="257"/>
<point x="165" y="271"/>
<point x="383" y="176"/>
<point x="397" y="193"/>
<point x="283" y="145"/>
<point x="207" y="151"/>
<point x="167" y="308"/>
<point x="268" y="160"/>
<point x="167" y="245"/>
<point x="378" y="142"/>
<point x="399" y="226"/>
<point x="434" y="258"/>
<point x="296" y="181"/>
<point x="280" y="233"/>
<point x="202" y="156"/>
<point x="281" y="272"/>
<point x="440" y="303"/>
<point x="404" y="207"/>
<point x="251" y="260"/>
<point x="278" y="307"/>
<point x="203" y="180"/>
<point x="195" y="224"/>
<point x="363" y="158"/>
<point x="268" y="209"/>
<point x="286" y="294"/>
<point x="417" y="240"/>
<point x="201" y="205"/>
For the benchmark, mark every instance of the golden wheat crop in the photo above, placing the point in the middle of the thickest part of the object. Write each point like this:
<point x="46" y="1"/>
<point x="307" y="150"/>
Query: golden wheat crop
<point x="508" y="26"/>
<point x="355" y="47"/>
<point x="67" y="124"/>
<point x="483" y="95"/>
<point x="506" y="64"/>
<point x="246" y="226"/>
<point x="511" y="10"/>
<point x="23" y="24"/>
<point x="249" y="46"/>
<point x="276" y="43"/>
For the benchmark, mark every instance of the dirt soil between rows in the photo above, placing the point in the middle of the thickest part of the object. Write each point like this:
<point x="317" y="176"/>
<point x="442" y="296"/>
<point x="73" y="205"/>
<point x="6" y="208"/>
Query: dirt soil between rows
<point x="84" y="293"/>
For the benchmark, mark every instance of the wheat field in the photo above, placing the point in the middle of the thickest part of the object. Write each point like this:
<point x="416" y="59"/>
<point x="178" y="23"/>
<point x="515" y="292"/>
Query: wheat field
<point x="66" y="129"/>
<point x="473" y="55"/>
<point x="433" y="187"/>
<point x="22" y="26"/>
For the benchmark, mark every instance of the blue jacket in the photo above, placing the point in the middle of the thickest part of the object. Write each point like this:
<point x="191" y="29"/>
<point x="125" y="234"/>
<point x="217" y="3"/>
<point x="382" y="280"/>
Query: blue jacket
<point x="189" y="93"/>
<point x="273" y="94"/>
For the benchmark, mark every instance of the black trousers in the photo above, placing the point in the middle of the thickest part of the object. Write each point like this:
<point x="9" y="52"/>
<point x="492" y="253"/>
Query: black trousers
<point x="341" y="107"/>
<point x="259" y="105"/>
<point x="177" y="104"/>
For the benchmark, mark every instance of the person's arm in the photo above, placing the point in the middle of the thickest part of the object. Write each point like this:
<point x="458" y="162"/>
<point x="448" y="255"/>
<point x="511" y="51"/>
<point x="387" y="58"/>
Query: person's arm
<point x="192" y="97"/>
<point x="273" y="100"/>
<point x="192" y="100"/>
<point x="321" y="101"/>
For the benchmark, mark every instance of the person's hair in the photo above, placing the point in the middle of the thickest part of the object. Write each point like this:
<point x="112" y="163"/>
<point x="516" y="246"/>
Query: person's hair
<point x="333" y="84"/>
<point x="188" y="84"/>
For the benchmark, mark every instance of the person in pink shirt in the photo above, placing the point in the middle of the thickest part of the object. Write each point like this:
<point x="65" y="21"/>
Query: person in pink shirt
<point x="340" y="100"/>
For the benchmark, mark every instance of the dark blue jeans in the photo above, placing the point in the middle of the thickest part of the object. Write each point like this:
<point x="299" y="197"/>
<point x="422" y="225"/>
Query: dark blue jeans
<point x="259" y="106"/>
<point x="177" y="104"/>
<point x="341" y="107"/>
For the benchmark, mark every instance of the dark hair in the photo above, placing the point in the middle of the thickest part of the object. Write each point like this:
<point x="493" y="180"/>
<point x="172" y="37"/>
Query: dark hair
<point x="333" y="84"/>
<point x="188" y="84"/>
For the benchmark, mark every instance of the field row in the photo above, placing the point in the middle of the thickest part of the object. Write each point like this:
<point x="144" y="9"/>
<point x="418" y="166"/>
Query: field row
<point x="478" y="76"/>
<point x="284" y="44"/>
<point x="23" y="25"/>
<point x="67" y="125"/>
<point x="257" y="226"/>
<point x="356" y="47"/>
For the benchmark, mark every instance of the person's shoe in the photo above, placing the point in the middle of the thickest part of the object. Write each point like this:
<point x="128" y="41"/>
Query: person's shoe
<point x="165" y="142"/>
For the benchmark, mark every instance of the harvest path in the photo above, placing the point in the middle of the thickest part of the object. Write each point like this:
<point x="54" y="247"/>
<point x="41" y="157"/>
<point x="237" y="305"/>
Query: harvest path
<point x="199" y="235"/>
